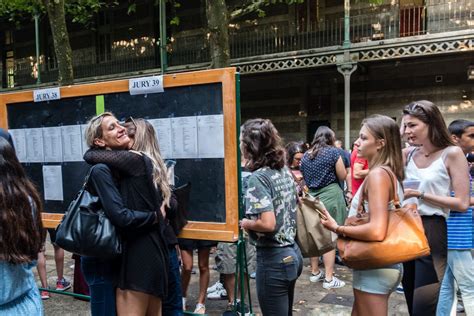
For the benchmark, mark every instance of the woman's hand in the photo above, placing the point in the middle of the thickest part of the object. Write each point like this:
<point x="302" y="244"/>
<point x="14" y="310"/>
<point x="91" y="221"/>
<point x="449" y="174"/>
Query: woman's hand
<point x="329" y="222"/>
<point x="245" y="223"/>
<point x="409" y="193"/>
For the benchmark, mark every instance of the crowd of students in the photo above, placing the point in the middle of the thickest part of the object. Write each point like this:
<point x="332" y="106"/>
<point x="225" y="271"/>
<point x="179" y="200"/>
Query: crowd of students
<point x="130" y="178"/>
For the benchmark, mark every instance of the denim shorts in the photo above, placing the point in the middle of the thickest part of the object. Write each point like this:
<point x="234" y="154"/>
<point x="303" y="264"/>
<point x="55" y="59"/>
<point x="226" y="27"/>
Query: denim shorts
<point x="378" y="281"/>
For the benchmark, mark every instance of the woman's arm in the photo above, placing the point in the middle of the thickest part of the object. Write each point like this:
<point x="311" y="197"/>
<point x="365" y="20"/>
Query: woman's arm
<point x="129" y="163"/>
<point x="379" y="187"/>
<point x="340" y="169"/>
<point x="258" y="201"/>
<point x="109" y="196"/>
<point x="265" y="223"/>
<point x="458" y="170"/>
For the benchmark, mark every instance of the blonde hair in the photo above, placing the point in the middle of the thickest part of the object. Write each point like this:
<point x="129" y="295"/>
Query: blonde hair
<point x="145" y="141"/>
<point x="384" y="128"/>
<point x="94" y="128"/>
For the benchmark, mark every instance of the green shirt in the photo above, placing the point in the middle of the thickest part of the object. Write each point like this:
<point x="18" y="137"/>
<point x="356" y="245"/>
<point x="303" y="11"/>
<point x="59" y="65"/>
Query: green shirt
<point x="271" y="190"/>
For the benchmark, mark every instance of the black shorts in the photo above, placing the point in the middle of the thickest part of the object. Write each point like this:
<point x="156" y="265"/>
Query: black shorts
<point x="191" y="244"/>
<point x="52" y="235"/>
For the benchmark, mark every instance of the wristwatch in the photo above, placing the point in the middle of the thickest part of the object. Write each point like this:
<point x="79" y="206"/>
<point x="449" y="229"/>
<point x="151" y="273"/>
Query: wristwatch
<point x="421" y="196"/>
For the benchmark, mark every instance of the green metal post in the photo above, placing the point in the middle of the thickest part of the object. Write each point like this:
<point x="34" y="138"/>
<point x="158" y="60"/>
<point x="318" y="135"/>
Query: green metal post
<point x="38" y="79"/>
<point x="347" y="10"/>
<point x="163" y="59"/>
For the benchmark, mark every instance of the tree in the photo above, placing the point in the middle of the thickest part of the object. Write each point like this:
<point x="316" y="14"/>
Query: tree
<point x="219" y="15"/>
<point x="62" y="47"/>
<point x="82" y="11"/>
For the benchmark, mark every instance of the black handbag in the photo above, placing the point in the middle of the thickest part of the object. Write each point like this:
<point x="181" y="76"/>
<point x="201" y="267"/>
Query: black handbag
<point x="85" y="229"/>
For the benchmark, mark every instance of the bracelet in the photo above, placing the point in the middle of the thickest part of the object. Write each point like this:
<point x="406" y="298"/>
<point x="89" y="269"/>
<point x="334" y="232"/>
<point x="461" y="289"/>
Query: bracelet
<point x="335" y="230"/>
<point x="422" y="196"/>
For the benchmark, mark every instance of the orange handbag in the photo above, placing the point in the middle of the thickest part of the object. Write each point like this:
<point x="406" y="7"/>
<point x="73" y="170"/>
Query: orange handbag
<point x="405" y="239"/>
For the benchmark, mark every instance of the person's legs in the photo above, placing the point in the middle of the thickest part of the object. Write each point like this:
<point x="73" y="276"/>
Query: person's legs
<point x="329" y="262"/>
<point x="154" y="307"/>
<point x="132" y="303"/>
<point x="203" y="262"/>
<point x="41" y="267"/>
<point x="275" y="278"/>
<point x="187" y="268"/>
<point x="447" y="292"/>
<point x="408" y="282"/>
<point x="370" y="304"/>
<point x="229" y="285"/>
<point x="430" y="269"/>
<point x="59" y="260"/>
<point x="173" y="304"/>
<point x="98" y="275"/>
<point x="462" y="265"/>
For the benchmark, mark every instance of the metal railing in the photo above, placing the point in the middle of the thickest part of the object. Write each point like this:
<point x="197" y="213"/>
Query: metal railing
<point x="384" y="22"/>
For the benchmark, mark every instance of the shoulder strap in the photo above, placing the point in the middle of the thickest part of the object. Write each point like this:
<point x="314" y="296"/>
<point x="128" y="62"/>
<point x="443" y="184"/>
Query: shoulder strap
<point x="396" y="199"/>
<point x="409" y="156"/>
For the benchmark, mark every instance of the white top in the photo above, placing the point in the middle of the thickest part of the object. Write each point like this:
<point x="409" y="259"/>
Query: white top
<point x="434" y="179"/>
<point x="355" y="200"/>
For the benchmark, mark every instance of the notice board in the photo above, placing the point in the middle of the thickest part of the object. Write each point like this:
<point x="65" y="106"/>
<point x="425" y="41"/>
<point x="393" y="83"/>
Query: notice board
<point x="195" y="118"/>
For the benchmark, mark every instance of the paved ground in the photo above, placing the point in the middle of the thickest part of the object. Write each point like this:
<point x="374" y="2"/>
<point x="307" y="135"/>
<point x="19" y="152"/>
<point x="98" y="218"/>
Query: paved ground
<point x="310" y="298"/>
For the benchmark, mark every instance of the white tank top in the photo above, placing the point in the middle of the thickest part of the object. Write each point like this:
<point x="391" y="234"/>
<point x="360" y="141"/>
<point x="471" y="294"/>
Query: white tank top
<point x="434" y="179"/>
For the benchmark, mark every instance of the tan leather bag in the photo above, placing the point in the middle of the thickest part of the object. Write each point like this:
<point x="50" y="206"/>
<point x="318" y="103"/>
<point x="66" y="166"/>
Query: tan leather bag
<point x="311" y="236"/>
<point x="405" y="239"/>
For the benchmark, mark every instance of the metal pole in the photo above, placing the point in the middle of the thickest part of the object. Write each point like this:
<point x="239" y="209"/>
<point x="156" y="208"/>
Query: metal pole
<point x="346" y="70"/>
<point x="38" y="79"/>
<point x="163" y="59"/>
<point x="347" y="9"/>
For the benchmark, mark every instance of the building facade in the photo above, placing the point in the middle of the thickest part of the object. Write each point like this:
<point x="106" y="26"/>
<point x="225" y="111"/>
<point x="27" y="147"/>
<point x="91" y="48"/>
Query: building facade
<point x="292" y="61"/>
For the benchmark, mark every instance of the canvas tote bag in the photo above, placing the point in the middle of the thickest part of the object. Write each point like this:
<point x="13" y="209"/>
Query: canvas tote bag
<point x="311" y="236"/>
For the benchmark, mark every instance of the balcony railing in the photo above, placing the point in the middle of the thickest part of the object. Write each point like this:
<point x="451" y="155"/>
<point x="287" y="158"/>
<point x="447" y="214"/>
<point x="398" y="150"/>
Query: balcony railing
<point x="384" y="23"/>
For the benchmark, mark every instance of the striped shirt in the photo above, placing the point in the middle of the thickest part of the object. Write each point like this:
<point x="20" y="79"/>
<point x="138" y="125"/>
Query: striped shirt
<point x="461" y="228"/>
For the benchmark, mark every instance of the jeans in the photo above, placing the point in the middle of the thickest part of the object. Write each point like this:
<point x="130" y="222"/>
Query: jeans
<point x="173" y="304"/>
<point x="276" y="278"/>
<point x="99" y="275"/>
<point x="460" y="268"/>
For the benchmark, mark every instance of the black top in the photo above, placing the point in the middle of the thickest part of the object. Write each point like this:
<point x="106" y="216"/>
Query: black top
<point x="144" y="261"/>
<point x="102" y="183"/>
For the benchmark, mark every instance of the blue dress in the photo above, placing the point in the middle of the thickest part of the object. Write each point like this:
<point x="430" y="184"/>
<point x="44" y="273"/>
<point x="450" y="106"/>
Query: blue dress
<point x="19" y="294"/>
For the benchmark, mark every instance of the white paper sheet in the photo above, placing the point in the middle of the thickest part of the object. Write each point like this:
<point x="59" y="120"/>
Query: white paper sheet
<point x="184" y="137"/>
<point x="53" y="183"/>
<point x="163" y="133"/>
<point x="19" y="141"/>
<point x="83" y="138"/>
<point x="53" y="145"/>
<point x="210" y="136"/>
<point x="72" y="142"/>
<point x="34" y="145"/>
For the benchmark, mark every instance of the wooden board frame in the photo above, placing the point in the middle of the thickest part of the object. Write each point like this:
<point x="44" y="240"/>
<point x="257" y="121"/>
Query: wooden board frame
<point x="227" y="231"/>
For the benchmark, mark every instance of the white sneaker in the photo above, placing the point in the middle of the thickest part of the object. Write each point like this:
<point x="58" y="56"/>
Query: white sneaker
<point x="219" y="294"/>
<point x="200" y="309"/>
<point x="217" y="286"/>
<point x="335" y="283"/>
<point x="316" y="277"/>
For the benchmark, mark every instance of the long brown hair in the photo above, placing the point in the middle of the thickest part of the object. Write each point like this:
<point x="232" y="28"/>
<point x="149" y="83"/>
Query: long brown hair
<point x="21" y="230"/>
<point x="324" y="137"/>
<point x="261" y="145"/>
<point x="429" y="113"/>
<point x="385" y="128"/>
<point x="145" y="140"/>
